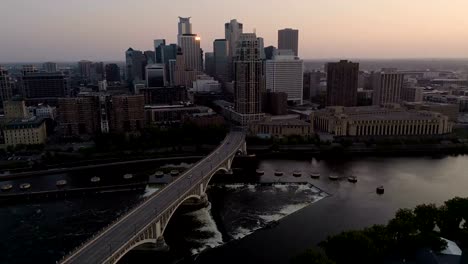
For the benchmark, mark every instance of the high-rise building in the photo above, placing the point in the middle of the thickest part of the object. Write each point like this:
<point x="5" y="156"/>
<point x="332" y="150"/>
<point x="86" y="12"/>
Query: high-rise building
<point x="185" y="27"/>
<point x="261" y="46"/>
<point x="50" y="67"/>
<point x="221" y="61"/>
<point x="150" y="56"/>
<point x="84" y="69"/>
<point x="96" y="73"/>
<point x="311" y="84"/>
<point x="209" y="64"/>
<point x="248" y="87"/>
<point x="269" y="52"/>
<point x="45" y="85"/>
<point x="387" y="87"/>
<point x="135" y="65"/>
<point x="78" y="116"/>
<point x="284" y="73"/>
<point x="29" y="69"/>
<point x="172" y="69"/>
<point x="183" y="76"/>
<point x="232" y="31"/>
<point x="190" y="45"/>
<point x="112" y="72"/>
<point x="158" y="49"/>
<point x="169" y="52"/>
<point x="412" y="94"/>
<point x="288" y="38"/>
<point x="342" y="83"/>
<point x="6" y="87"/>
<point x="155" y="75"/>
<point x="127" y="113"/>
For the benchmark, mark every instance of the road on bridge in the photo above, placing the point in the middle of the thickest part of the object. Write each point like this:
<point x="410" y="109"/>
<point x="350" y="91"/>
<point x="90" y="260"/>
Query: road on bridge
<point x="110" y="240"/>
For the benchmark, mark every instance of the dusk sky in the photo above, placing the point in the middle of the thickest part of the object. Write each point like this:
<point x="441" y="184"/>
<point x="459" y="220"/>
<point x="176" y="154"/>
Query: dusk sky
<point x="68" y="30"/>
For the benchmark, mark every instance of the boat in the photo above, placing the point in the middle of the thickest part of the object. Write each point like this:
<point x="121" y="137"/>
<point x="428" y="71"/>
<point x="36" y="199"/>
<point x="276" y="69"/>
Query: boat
<point x="159" y="174"/>
<point x="128" y="176"/>
<point x="7" y="187"/>
<point x="352" y="179"/>
<point x="297" y="174"/>
<point x="260" y="172"/>
<point x="25" y="186"/>
<point x="174" y="172"/>
<point x="315" y="175"/>
<point x="61" y="183"/>
<point x="95" y="179"/>
<point x="278" y="173"/>
<point x="380" y="190"/>
<point x="333" y="177"/>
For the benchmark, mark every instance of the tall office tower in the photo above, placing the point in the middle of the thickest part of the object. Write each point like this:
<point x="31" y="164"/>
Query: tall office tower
<point x="342" y="83"/>
<point x="232" y="31"/>
<point x="190" y="45"/>
<point x="269" y="52"/>
<point x="127" y="113"/>
<point x="261" y="46"/>
<point x="158" y="49"/>
<point x="222" y="67"/>
<point x="387" y="86"/>
<point x="209" y="64"/>
<point x="50" y="67"/>
<point x="135" y="65"/>
<point x="185" y="27"/>
<point x="45" y="85"/>
<point x="96" y="73"/>
<point x="150" y="56"/>
<point x="155" y="75"/>
<point x="84" y="69"/>
<point x="172" y="68"/>
<point x="285" y="74"/>
<point x="311" y="84"/>
<point x="288" y="38"/>
<point x="6" y="87"/>
<point x="248" y="76"/>
<point x="112" y="72"/>
<point x="183" y="76"/>
<point x="169" y="53"/>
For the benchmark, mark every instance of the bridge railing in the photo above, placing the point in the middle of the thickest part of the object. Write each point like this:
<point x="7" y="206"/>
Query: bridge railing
<point x="137" y="205"/>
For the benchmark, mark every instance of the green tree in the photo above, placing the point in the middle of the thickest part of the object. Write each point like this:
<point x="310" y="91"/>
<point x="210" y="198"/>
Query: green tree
<point x="311" y="257"/>
<point x="426" y="217"/>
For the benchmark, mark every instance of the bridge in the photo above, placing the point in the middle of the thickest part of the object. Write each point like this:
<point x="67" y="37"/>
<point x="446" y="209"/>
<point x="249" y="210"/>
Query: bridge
<point x="146" y="223"/>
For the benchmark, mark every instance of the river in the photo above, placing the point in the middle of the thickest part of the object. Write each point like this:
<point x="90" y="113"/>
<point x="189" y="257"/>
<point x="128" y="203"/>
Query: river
<point x="234" y="224"/>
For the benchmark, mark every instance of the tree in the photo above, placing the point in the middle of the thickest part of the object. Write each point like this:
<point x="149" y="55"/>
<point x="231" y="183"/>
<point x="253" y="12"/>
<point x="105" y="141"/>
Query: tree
<point x="311" y="257"/>
<point x="355" y="244"/>
<point x="426" y="217"/>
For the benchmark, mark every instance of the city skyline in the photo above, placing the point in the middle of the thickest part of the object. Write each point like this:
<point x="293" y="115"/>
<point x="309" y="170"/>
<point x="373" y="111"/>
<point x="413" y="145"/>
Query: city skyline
<point x="60" y="31"/>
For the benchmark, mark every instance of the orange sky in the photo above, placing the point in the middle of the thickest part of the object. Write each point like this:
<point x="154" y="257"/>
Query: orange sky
<point x="63" y="30"/>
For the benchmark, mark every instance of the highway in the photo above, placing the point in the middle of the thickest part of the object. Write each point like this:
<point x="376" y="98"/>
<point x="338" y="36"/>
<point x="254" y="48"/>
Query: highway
<point x="102" y="245"/>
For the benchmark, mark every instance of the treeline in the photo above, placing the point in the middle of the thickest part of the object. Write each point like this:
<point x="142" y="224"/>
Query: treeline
<point x="409" y="231"/>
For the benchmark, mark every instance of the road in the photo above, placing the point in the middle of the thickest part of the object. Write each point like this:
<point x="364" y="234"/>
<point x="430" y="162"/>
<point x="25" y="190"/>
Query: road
<point x="100" y="247"/>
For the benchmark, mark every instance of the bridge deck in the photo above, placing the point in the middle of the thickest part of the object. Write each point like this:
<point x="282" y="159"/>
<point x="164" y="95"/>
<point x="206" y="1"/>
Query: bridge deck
<point x="114" y="237"/>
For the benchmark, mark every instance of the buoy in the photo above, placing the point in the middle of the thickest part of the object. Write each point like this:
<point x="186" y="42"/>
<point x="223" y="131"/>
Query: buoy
<point x="25" y="186"/>
<point x="297" y="174"/>
<point x="260" y="172"/>
<point x="61" y="183"/>
<point x="315" y="175"/>
<point x="128" y="176"/>
<point x="95" y="179"/>
<point x="7" y="187"/>
<point x="278" y="173"/>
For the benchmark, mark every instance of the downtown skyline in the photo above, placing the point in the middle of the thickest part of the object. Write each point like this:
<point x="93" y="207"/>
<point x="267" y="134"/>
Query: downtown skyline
<point x="103" y="30"/>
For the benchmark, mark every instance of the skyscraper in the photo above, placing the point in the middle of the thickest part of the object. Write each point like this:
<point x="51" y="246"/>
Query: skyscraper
<point x="284" y="73"/>
<point x="182" y="75"/>
<point x="50" y="67"/>
<point x="209" y="64"/>
<point x="155" y="75"/>
<point x="342" y="83"/>
<point x="112" y="72"/>
<point x="159" y="49"/>
<point x="96" y="72"/>
<point x="269" y="52"/>
<point x="169" y="53"/>
<point x="84" y="69"/>
<point x="190" y="45"/>
<point x="135" y="65"/>
<point x="248" y="87"/>
<point x="185" y="27"/>
<point x="45" y="85"/>
<point x="150" y="56"/>
<point x="387" y="86"/>
<point x="6" y="89"/>
<point x="232" y="31"/>
<point x="288" y="38"/>
<point x="221" y="61"/>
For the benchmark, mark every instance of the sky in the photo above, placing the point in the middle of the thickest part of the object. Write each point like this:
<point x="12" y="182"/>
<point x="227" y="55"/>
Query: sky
<point x="101" y="30"/>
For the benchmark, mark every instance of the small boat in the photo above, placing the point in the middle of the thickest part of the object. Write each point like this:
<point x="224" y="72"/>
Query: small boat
<point x="278" y="173"/>
<point x="315" y="175"/>
<point x="174" y="172"/>
<point x="380" y="190"/>
<point x="159" y="174"/>
<point x="128" y="176"/>
<point x="352" y="179"/>
<point x="61" y="183"/>
<point x="297" y="174"/>
<point x="25" y="186"/>
<point x="95" y="179"/>
<point x="333" y="177"/>
<point x="260" y="172"/>
<point x="7" y="187"/>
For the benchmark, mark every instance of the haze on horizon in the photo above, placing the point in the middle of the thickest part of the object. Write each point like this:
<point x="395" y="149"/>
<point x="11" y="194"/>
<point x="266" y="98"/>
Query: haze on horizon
<point x="68" y="30"/>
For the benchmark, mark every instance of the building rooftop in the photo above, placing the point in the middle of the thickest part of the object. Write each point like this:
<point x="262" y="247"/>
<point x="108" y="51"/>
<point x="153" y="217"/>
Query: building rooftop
<point x="24" y="123"/>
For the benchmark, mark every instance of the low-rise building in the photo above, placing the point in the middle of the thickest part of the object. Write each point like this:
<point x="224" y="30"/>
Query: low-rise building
<point x="450" y="110"/>
<point x="378" y="121"/>
<point x="25" y="132"/>
<point x="281" y="126"/>
<point x="166" y="114"/>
